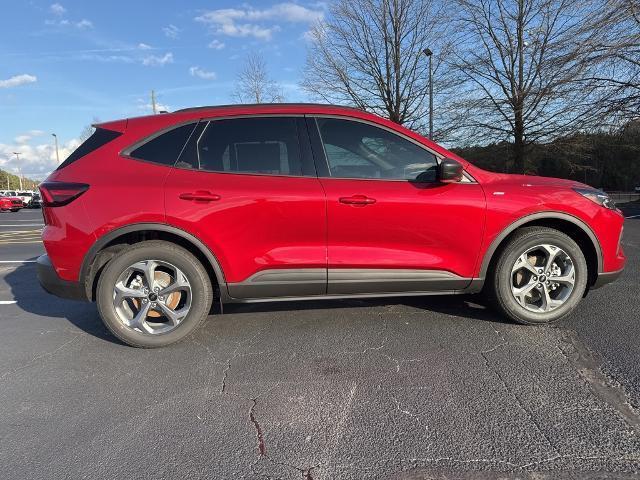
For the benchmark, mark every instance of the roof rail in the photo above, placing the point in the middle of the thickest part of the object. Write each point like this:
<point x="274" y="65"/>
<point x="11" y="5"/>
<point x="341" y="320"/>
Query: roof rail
<point x="242" y="105"/>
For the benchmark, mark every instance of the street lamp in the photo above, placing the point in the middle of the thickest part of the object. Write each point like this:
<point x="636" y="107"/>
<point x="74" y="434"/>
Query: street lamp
<point x="429" y="54"/>
<point x="17" y="154"/>
<point x="57" y="152"/>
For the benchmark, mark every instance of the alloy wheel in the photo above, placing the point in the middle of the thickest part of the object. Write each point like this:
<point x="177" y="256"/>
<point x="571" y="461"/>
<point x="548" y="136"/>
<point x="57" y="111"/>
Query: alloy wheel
<point x="543" y="278"/>
<point x="152" y="297"/>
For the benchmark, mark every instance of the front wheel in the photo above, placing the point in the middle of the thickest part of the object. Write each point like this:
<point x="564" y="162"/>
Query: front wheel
<point x="540" y="276"/>
<point x="153" y="294"/>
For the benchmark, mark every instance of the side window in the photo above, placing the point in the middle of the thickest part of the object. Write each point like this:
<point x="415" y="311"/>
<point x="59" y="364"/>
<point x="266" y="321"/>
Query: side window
<point x="264" y="145"/>
<point x="359" y="150"/>
<point x="166" y="147"/>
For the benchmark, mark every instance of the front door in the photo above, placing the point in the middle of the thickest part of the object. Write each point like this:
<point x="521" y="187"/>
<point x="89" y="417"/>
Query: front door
<point x="391" y="226"/>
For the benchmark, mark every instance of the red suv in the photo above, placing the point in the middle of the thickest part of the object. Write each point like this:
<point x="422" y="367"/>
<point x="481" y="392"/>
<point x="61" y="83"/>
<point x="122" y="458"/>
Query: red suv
<point x="155" y="217"/>
<point x="10" y="203"/>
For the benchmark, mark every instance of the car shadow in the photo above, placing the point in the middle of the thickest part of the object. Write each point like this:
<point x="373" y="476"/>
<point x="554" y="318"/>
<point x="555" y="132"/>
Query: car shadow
<point x="30" y="297"/>
<point x="473" y="307"/>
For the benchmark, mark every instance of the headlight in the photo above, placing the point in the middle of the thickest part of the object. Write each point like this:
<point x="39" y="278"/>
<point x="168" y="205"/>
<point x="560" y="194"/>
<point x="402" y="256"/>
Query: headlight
<point x="597" y="196"/>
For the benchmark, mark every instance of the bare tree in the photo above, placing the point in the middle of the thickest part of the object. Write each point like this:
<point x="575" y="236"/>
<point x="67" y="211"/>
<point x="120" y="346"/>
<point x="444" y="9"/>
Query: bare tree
<point x="254" y="85"/>
<point x="369" y="54"/>
<point x="529" y="69"/>
<point x="620" y="50"/>
<point x="88" y="130"/>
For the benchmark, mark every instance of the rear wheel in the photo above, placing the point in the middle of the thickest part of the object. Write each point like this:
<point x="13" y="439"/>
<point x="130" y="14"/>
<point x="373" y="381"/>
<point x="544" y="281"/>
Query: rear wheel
<point x="153" y="294"/>
<point x="540" y="276"/>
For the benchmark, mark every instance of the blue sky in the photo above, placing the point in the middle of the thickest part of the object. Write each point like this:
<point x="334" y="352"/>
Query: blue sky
<point x="64" y="64"/>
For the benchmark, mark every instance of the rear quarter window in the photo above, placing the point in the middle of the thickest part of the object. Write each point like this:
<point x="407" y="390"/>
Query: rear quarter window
<point x="98" y="139"/>
<point x="164" y="148"/>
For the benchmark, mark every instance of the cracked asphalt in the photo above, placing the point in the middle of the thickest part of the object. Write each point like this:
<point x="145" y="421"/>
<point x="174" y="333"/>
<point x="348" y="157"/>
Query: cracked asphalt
<point x="403" y="389"/>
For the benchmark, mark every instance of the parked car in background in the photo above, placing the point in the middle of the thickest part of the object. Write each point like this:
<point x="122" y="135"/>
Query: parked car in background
<point x="637" y="189"/>
<point x="36" y="201"/>
<point x="26" y="197"/>
<point x="10" y="203"/>
<point x="156" y="217"/>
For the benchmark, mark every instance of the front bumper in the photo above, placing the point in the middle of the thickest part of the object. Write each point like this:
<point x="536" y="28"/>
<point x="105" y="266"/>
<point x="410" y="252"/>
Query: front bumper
<point x="54" y="285"/>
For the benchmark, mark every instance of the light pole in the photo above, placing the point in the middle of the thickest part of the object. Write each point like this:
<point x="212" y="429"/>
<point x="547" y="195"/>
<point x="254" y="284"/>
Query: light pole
<point x="57" y="152"/>
<point x="17" y="154"/>
<point x="429" y="54"/>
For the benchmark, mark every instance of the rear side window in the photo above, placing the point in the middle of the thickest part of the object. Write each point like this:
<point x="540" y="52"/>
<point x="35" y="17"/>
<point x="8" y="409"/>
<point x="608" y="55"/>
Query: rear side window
<point x="166" y="147"/>
<point x="263" y="145"/>
<point x="98" y="139"/>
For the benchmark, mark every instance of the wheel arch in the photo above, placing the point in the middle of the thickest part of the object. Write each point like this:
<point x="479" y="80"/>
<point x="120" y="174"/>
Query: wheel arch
<point x="107" y="246"/>
<point x="572" y="226"/>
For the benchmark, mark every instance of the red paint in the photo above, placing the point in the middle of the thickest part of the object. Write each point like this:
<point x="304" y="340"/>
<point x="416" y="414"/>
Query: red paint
<point x="257" y="222"/>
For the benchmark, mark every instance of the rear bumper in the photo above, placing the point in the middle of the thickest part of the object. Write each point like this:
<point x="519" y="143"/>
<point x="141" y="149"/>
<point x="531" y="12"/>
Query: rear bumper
<point x="54" y="285"/>
<point x="606" y="277"/>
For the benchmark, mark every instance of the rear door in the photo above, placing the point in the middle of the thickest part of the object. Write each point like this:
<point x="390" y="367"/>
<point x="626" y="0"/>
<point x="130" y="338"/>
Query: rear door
<point x="391" y="226"/>
<point x="247" y="187"/>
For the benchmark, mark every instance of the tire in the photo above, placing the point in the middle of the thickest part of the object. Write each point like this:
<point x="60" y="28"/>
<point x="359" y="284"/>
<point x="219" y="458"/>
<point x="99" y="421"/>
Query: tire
<point x="162" y="253"/>
<point x="506" y="281"/>
<point x="14" y="210"/>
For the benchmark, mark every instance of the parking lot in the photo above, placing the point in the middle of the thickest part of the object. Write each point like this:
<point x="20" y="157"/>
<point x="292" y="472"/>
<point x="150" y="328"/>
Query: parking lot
<point x="436" y="387"/>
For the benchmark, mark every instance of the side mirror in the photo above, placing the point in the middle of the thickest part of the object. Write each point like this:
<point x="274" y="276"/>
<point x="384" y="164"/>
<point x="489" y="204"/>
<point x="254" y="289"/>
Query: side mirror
<point x="450" y="171"/>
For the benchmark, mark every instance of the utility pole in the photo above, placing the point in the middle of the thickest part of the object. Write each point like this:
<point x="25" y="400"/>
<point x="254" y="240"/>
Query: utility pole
<point x="57" y="152"/>
<point x="429" y="54"/>
<point x="17" y="154"/>
<point x="153" y="102"/>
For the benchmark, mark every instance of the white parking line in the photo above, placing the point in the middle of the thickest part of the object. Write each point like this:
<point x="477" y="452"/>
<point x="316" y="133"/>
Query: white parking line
<point x="24" y="225"/>
<point x="8" y="302"/>
<point x="633" y="216"/>
<point x="18" y="261"/>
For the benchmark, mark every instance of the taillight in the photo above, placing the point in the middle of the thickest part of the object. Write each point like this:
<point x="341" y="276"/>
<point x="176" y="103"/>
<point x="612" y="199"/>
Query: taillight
<point x="57" y="194"/>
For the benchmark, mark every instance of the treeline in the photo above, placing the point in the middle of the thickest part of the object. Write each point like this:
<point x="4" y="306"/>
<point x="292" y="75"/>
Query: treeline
<point x="9" y="181"/>
<point x="607" y="160"/>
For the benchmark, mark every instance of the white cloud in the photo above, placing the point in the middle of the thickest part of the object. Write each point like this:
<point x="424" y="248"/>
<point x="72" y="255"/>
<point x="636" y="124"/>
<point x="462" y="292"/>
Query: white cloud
<point x="36" y="161"/>
<point x="145" y="107"/>
<point x="57" y="9"/>
<point x="236" y="22"/>
<point x="203" y="74"/>
<point x="247" y="30"/>
<point x="84" y="24"/>
<point x="144" y="46"/>
<point x="18" y="80"/>
<point x="26" y="137"/>
<point x="171" y="31"/>
<point x="155" y="61"/>
<point x="216" y="44"/>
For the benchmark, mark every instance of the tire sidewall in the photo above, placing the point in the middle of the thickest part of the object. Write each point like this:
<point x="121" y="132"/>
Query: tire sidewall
<point x="504" y="277"/>
<point x="201" y="292"/>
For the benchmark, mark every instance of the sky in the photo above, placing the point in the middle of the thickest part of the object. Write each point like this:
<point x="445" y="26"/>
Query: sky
<point x="67" y="64"/>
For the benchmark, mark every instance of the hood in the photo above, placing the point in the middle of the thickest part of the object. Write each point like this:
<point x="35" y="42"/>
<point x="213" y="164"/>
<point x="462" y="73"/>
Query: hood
<point x="535" y="181"/>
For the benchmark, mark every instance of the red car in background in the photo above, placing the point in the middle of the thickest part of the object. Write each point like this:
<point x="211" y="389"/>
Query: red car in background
<point x="155" y="217"/>
<point x="10" y="204"/>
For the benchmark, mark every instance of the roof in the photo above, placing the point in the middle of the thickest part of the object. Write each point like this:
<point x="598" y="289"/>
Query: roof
<point x="266" y="105"/>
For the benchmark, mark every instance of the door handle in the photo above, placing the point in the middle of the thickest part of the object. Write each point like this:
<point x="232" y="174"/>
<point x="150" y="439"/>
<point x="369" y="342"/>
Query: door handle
<point x="357" y="200"/>
<point x="200" y="196"/>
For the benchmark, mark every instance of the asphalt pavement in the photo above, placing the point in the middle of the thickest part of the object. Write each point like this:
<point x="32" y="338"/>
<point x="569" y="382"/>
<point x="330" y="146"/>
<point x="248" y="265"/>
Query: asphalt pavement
<point x="436" y="387"/>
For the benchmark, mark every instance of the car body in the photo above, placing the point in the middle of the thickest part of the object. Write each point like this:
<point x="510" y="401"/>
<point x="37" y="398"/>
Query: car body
<point x="10" y="203"/>
<point x="299" y="201"/>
